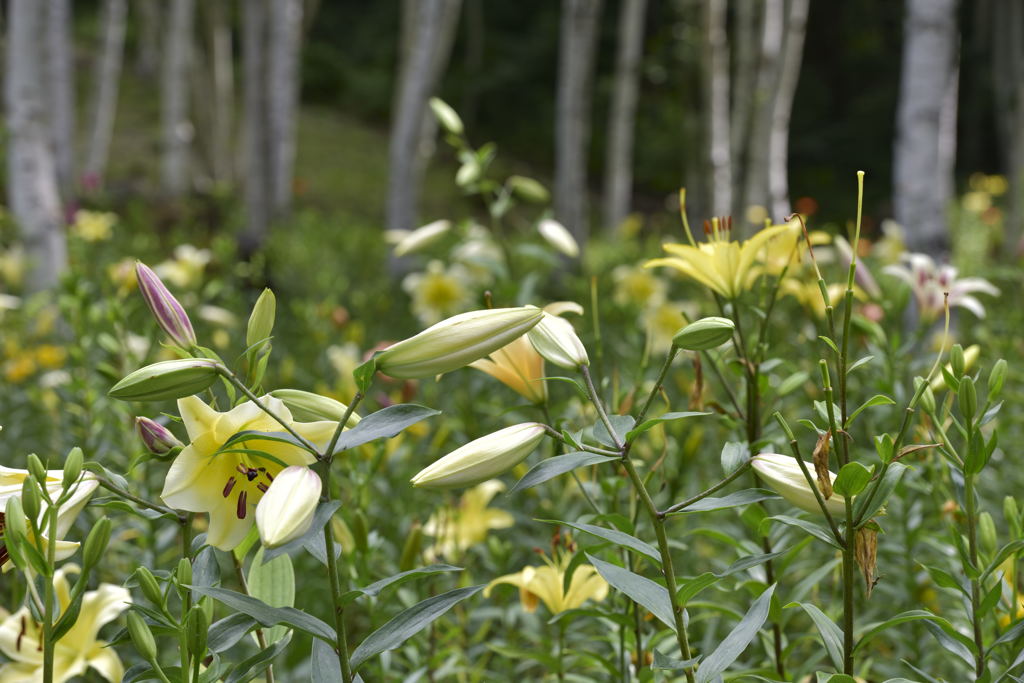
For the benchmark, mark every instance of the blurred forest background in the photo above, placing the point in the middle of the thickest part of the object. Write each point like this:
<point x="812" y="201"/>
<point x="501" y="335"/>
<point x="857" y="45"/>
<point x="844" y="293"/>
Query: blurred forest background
<point x="238" y="119"/>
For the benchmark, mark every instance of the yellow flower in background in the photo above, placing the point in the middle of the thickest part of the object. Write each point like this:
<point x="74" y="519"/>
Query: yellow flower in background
<point x="456" y="529"/>
<point x="19" y="368"/>
<point x="12" y="265"/>
<point x="229" y="484"/>
<point x="78" y="650"/>
<point x="547" y="584"/>
<point x="185" y="270"/>
<point x="93" y="226"/>
<point x="519" y="367"/>
<point x="122" y="274"/>
<point x="728" y="267"/>
<point x="661" y="323"/>
<point x="50" y="356"/>
<point x="438" y="292"/>
<point x="809" y="295"/>
<point x="637" y="286"/>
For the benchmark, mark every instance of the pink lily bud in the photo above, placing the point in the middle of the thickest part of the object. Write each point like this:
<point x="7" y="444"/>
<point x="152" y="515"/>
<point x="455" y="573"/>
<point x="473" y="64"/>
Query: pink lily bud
<point x="158" y="439"/>
<point x="169" y="314"/>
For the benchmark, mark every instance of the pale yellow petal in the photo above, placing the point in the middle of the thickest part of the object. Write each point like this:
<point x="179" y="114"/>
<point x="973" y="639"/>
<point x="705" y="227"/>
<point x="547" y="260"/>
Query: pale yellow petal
<point x="198" y="417"/>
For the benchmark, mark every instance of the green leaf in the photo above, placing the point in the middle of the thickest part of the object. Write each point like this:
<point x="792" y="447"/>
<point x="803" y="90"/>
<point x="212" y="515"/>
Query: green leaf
<point x="665" y="662"/>
<point x="1011" y="548"/>
<point x="735" y="454"/>
<point x="323" y="661"/>
<point x="363" y="374"/>
<point x="944" y="579"/>
<point x="615" y="536"/>
<point x="689" y="589"/>
<point x="858" y="363"/>
<point x="830" y="633"/>
<point x="383" y="424"/>
<point x="745" y="563"/>
<point x="876" y="400"/>
<point x="738" y="639"/>
<point x="816" y="530"/>
<point x="792" y="383"/>
<point x="733" y="500"/>
<point x="396" y="580"/>
<point x="903" y="617"/>
<point x="647" y="424"/>
<point x="267" y="615"/>
<point x="273" y="583"/>
<point x="951" y="644"/>
<point x="831" y="344"/>
<point x="834" y="678"/>
<point x="560" y="464"/>
<point x="852" y="479"/>
<point x="408" y="623"/>
<point x="224" y="634"/>
<point x="249" y="668"/>
<point x="652" y="596"/>
<point x="620" y="423"/>
<point x="886" y="486"/>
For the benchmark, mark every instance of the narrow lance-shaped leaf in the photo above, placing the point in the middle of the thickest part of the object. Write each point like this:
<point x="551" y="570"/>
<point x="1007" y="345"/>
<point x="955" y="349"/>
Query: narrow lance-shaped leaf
<point x="738" y="639"/>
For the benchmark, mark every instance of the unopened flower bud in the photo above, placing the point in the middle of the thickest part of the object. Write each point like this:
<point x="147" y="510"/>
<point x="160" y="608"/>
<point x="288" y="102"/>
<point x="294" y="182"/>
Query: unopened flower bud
<point x="1012" y="514"/>
<point x="360" y="529"/>
<point x="311" y="407"/>
<point x="555" y="339"/>
<point x="411" y="549"/>
<point x="158" y="439"/>
<point x="967" y="397"/>
<point x="184" y="572"/>
<point x="987" y="533"/>
<point x="149" y="586"/>
<point x="555" y="234"/>
<point x="483" y="458"/>
<point x="706" y="333"/>
<point x="456" y="342"/>
<point x="784" y="475"/>
<point x="142" y="637"/>
<point x="96" y="544"/>
<point x="957" y="361"/>
<point x="287" y="508"/>
<point x="261" y="320"/>
<point x="197" y="628"/>
<point x="422" y="237"/>
<point x="36" y="468"/>
<point x="927" y="395"/>
<point x="167" y="379"/>
<point x="169" y="314"/>
<point x="72" y="467"/>
<point x="30" y="498"/>
<point x="996" y="377"/>
<point x="446" y="116"/>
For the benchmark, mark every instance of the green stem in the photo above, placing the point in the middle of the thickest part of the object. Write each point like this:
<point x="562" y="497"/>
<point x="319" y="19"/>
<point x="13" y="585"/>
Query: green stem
<point x="231" y="377"/>
<point x="561" y="650"/>
<point x="970" y="506"/>
<point x="141" y="502"/>
<point x="51" y="560"/>
<point x="706" y="492"/>
<point x="848" y="585"/>
<point x="599" y="406"/>
<point x="657" y="383"/>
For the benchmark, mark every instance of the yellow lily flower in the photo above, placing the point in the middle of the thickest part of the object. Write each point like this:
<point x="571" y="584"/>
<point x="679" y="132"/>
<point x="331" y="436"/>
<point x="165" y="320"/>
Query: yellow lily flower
<point x="519" y="367"/>
<point x="229" y="484"/>
<point x="546" y="584"/>
<point x="11" y="482"/>
<point x="728" y="267"/>
<point x="79" y="649"/>
<point x="458" y="528"/>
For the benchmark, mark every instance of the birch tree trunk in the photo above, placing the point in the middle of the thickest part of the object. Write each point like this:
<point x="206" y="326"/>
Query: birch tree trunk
<point x="32" y="193"/>
<point x="410" y="106"/>
<point x="580" y="19"/>
<point x="175" y="121"/>
<point x="719" y="154"/>
<point x="618" y="172"/>
<point x="929" y="35"/>
<point x="105" y="88"/>
<point x="744" y="81"/>
<point x="61" y="91"/>
<point x="789" y="75"/>
<point x="755" y="193"/>
<point x="285" y="34"/>
<point x="1007" y="41"/>
<point x="255" y="136"/>
<point x="219" y="19"/>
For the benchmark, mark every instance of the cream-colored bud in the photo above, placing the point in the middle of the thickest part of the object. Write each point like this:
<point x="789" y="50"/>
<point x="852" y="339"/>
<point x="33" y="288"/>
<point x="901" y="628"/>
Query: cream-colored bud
<point x="556" y="340"/>
<point x="287" y="508"/>
<point x="483" y="458"/>
<point x="703" y="334"/>
<point x="422" y="237"/>
<point x="456" y="342"/>
<point x="783" y="474"/>
<point x="261" y="320"/>
<point x="555" y="234"/>
<point x="167" y="379"/>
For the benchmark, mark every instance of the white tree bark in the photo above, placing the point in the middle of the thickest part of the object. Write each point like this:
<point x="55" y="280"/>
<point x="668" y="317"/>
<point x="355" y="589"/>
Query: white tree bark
<point x="222" y="63"/>
<point x="410" y="106"/>
<point x="717" y="110"/>
<point x="255" y="136"/>
<point x="744" y="81"/>
<point x="175" y="121"/>
<point x="105" y="89"/>
<point x="285" y="34"/>
<point x="618" y="172"/>
<point x="756" y="174"/>
<point x="580" y="19"/>
<point x="929" y="51"/>
<point x="61" y="90"/>
<point x="32" y="193"/>
<point x="789" y="75"/>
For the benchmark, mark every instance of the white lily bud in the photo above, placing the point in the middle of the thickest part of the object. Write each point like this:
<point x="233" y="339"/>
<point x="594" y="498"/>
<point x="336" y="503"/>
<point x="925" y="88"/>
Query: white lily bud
<point x="483" y="458"/>
<point x="556" y="340"/>
<point x="422" y="237"/>
<point x="286" y="510"/>
<point x="783" y="474"/>
<point x="555" y="234"/>
<point x="456" y="342"/>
